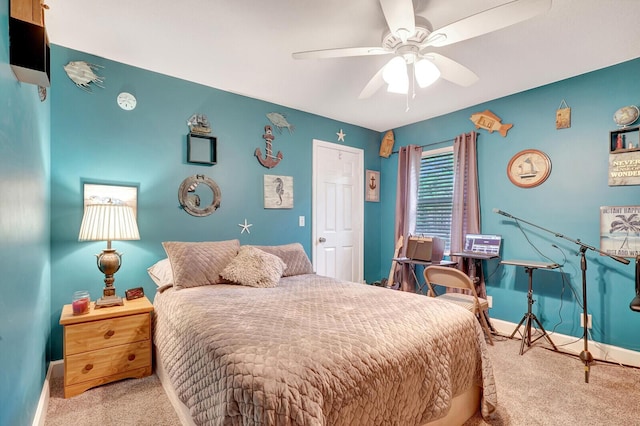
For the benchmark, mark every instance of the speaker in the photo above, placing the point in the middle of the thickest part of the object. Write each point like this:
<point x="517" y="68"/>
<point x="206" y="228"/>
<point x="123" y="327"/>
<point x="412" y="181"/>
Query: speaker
<point x="29" y="52"/>
<point x="426" y="249"/>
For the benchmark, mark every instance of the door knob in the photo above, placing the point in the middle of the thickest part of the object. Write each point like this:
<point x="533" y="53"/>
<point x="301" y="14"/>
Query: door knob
<point x="322" y="239"/>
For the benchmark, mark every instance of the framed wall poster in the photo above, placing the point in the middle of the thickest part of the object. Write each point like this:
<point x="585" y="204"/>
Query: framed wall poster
<point x="372" y="183"/>
<point x="624" y="156"/>
<point x="620" y="230"/>
<point x="278" y="192"/>
<point x="120" y="194"/>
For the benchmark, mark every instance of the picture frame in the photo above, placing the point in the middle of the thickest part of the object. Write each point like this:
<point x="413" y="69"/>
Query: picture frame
<point x="278" y="192"/>
<point x="95" y="193"/>
<point x="201" y="149"/>
<point x="372" y="186"/>
<point x="617" y="230"/>
<point x="529" y="168"/>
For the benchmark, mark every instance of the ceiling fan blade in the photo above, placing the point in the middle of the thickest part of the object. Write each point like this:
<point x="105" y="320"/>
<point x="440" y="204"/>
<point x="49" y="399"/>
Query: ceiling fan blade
<point x="340" y="52"/>
<point x="400" y="17"/>
<point x="373" y="85"/>
<point x="488" y="21"/>
<point x="452" y="70"/>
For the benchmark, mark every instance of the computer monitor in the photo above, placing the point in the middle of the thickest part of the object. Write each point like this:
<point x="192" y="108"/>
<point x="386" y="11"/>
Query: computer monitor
<point x="482" y="243"/>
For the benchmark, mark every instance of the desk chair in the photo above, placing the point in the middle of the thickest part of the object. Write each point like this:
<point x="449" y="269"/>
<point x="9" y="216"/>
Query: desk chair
<point x="454" y="278"/>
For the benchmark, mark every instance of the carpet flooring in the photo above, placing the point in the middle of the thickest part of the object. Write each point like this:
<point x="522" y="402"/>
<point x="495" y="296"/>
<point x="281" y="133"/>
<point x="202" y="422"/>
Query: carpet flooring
<point x="540" y="387"/>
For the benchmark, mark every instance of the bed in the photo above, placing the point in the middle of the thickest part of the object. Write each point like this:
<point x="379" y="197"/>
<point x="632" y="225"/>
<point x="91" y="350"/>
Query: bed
<point x="304" y="349"/>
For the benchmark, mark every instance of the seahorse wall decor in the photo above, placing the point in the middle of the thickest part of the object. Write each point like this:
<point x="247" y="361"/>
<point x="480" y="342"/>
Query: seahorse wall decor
<point x="269" y="161"/>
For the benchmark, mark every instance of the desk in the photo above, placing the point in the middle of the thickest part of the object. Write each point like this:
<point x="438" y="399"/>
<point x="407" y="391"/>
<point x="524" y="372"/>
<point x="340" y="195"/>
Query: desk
<point x="412" y="266"/>
<point x="475" y="263"/>
<point x="529" y="317"/>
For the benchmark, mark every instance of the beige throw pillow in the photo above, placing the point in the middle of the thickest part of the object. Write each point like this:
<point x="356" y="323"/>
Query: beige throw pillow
<point x="254" y="267"/>
<point x="199" y="263"/>
<point x="293" y="255"/>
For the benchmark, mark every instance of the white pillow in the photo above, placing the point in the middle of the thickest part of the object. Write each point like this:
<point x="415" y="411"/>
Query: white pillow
<point x="161" y="272"/>
<point x="254" y="267"/>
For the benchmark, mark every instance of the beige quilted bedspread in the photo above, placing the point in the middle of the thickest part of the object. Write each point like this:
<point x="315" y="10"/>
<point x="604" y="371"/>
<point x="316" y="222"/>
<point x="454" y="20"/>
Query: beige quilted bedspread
<point x="314" y="351"/>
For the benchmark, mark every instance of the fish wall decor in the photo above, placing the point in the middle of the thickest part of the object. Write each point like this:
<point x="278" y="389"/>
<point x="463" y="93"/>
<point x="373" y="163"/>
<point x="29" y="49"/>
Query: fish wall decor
<point x="82" y="73"/>
<point x="280" y="121"/>
<point x="491" y="122"/>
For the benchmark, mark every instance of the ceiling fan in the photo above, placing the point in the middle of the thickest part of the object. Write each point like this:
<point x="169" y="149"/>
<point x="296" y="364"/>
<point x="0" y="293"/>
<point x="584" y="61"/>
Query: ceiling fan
<point x="410" y="39"/>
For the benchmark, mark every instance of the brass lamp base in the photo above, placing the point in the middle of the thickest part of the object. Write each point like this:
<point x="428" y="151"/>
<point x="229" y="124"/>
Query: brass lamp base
<point x="109" y="262"/>
<point x="107" y="301"/>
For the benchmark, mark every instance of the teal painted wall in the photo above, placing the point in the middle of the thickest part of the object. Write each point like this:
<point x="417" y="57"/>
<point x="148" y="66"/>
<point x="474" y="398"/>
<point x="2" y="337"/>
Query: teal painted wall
<point x="94" y="140"/>
<point x="567" y="203"/>
<point x="47" y="151"/>
<point x="24" y="240"/>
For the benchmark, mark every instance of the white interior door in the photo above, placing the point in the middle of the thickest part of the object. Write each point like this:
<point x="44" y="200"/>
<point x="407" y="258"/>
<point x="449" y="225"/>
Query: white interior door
<point x="338" y="211"/>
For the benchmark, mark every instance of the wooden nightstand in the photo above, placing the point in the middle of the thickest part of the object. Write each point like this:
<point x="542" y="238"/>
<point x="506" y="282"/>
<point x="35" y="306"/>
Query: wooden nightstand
<point x="106" y="345"/>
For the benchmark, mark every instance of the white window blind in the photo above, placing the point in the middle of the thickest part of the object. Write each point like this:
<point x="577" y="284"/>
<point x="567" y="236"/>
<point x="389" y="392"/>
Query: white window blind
<point x="435" y="195"/>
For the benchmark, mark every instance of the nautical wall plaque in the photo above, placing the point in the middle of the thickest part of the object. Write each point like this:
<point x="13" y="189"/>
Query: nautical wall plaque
<point x="529" y="168"/>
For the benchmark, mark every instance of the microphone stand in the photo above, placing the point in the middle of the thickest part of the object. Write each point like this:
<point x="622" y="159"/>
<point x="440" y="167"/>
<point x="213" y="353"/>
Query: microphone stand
<point x="585" y="355"/>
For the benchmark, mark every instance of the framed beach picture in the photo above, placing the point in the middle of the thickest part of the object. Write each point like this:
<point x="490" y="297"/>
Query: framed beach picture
<point x="619" y="230"/>
<point x="278" y="192"/>
<point x="117" y="194"/>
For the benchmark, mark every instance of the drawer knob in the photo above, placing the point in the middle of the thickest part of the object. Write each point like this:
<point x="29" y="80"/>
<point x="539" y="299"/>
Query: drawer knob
<point x="132" y="357"/>
<point x="109" y="334"/>
<point x="88" y="367"/>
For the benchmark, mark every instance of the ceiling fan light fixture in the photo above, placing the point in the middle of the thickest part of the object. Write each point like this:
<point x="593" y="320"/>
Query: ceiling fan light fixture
<point x="426" y="72"/>
<point x="400" y="87"/>
<point x="395" y="70"/>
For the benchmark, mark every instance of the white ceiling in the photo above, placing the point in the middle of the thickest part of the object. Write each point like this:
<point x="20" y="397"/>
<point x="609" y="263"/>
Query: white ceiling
<point x="245" y="46"/>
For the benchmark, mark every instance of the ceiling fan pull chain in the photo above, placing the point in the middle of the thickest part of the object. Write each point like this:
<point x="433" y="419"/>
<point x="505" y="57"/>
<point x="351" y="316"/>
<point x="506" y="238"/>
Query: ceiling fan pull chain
<point x="413" y="79"/>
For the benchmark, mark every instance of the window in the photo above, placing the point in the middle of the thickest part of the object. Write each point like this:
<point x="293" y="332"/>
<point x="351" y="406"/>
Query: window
<point x="435" y="195"/>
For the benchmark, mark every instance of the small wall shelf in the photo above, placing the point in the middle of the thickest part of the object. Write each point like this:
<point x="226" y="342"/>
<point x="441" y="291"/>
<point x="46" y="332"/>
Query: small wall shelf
<point x="624" y="140"/>
<point x="201" y="149"/>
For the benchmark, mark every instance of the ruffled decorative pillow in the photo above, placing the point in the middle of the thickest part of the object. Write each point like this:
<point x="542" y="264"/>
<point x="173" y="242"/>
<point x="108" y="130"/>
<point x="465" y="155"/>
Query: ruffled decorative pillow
<point x="198" y="264"/>
<point x="254" y="267"/>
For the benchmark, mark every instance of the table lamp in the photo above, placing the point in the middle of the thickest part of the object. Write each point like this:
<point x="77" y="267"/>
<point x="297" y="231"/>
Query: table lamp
<point x="108" y="221"/>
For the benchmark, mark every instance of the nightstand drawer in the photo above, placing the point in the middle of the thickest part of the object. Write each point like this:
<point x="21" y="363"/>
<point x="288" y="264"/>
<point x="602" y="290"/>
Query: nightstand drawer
<point x="107" y="362"/>
<point x="94" y="335"/>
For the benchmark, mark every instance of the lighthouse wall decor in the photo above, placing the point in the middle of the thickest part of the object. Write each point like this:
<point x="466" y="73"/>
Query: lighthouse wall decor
<point x="372" y="185"/>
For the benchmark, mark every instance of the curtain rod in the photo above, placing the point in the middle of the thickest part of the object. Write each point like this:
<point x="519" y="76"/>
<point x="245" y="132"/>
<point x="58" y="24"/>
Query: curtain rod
<point x="429" y="144"/>
<point x="433" y="143"/>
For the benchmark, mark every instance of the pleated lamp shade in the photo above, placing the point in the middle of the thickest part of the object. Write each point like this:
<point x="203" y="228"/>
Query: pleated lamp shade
<point x="108" y="222"/>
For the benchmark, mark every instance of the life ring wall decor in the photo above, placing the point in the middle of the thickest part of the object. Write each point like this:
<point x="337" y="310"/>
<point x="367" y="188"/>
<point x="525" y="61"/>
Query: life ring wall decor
<point x="192" y="201"/>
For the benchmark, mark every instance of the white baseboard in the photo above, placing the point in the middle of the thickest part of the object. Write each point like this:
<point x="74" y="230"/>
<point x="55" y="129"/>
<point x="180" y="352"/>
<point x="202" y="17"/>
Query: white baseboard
<point x="56" y="369"/>
<point x="575" y="345"/>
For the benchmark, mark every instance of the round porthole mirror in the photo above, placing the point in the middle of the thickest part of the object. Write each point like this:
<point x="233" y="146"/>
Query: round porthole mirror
<point x="199" y="195"/>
